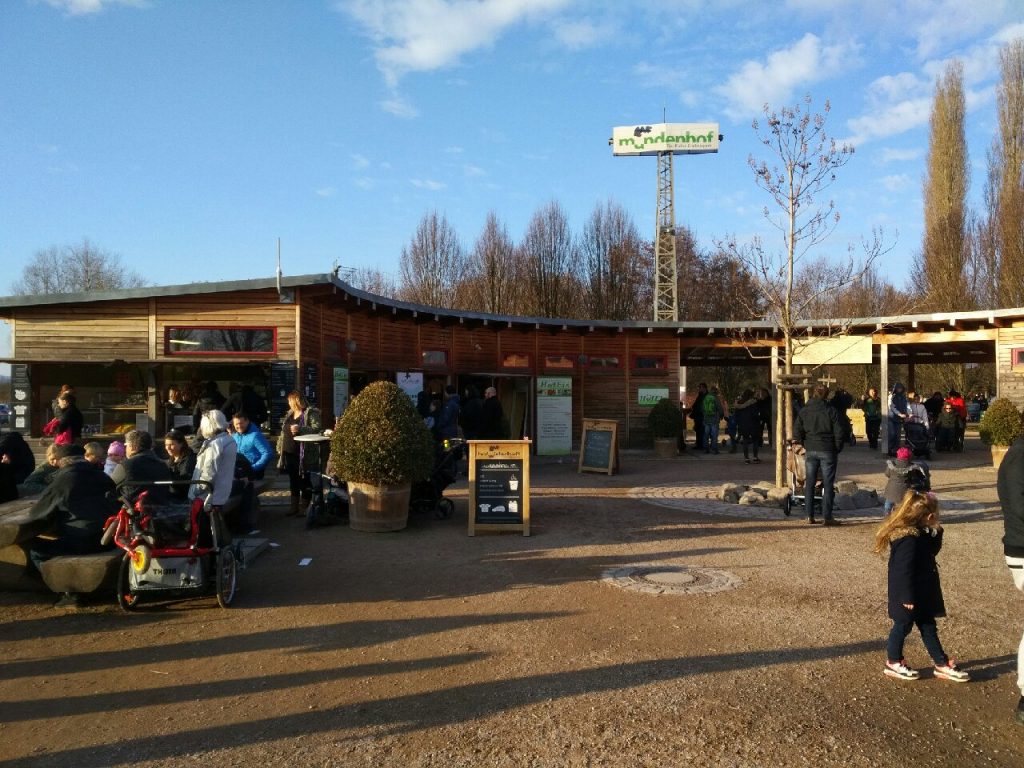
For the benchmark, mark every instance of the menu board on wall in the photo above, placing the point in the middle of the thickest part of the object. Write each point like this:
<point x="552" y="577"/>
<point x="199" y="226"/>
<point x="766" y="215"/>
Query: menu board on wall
<point x="282" y="381"/>
<point x="21" y="398"/>
<point x="311" y="383"/>
<point x="554" y="415"/>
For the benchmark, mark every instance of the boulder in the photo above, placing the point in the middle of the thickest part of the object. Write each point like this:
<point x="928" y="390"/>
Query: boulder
<point x="751" y="499"/>
<point x="776" y="497"/>
<point x="846" y="487"/>
<point x="845" y="502"/>
<point x="865" y="498"/>
<point x="731" y="492"/>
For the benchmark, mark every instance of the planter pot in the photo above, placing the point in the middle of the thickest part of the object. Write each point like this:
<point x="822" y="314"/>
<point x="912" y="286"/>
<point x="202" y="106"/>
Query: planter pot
<point x="998" y="451"/>
<point x="378" y="508"/>
<point x="665" y="447"/>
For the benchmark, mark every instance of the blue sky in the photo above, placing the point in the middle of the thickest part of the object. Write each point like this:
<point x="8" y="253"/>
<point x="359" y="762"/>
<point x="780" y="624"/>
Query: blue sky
<point x="188" y="136"/>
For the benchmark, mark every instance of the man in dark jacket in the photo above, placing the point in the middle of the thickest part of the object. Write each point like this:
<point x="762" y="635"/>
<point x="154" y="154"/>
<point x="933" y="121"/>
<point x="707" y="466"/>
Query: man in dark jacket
<point x="16" y="464"/>
<point x="77" y="504"/>
<point x="697" y="414"/>
<point x="144" y="466"/>
<point x="447" y="425"/>
<point x="492" y="417"/>
<point x="1010" y="484"/>
<point x="820" y="432"/>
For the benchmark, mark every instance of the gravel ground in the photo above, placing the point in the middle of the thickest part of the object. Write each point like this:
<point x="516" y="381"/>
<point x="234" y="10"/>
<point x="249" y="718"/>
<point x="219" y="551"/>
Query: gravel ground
<point x="431" y="648"/>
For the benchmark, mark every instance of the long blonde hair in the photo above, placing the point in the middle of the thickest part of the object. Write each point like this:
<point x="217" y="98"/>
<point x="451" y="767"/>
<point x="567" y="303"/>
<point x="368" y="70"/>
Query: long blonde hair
<point x="911" y="512"/>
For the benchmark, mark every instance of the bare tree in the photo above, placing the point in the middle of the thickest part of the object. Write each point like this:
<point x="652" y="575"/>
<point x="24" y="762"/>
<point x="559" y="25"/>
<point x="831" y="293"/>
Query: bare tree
<point x="616" y="265"/>
<point x="549" y="260"/>
<point x="804" y="166"/>
<point x="1007" y="166"/>
<point x="433" y="264"/>
<point x="491" y="284"/>
<point x="945" y="249"/>
<point x="373" y="280"/>
<point x="75" y="269"/>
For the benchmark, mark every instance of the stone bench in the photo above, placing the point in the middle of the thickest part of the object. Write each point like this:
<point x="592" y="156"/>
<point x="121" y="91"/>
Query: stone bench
<point x="82" y="573"/>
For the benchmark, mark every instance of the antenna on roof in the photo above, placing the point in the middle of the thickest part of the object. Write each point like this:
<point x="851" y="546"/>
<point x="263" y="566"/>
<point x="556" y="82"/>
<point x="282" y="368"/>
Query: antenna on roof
<point x="279" y="267"/>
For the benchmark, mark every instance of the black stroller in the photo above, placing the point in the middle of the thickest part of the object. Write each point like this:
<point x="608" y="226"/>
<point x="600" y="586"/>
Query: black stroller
<point x="428" y="495"/>
<point x="917" y="438"/>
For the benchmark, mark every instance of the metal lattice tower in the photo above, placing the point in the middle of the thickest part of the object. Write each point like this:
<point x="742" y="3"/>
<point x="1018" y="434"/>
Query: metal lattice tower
<point x="666" y="295"/>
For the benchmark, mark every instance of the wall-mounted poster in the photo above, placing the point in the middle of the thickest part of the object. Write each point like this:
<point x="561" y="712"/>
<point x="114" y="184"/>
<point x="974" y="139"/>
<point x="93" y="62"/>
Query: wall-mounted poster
<point x="648" y="397"/>
<point x="340" y="399"/>
<point x="410" y="382"/>
<point x="554" y="415"/>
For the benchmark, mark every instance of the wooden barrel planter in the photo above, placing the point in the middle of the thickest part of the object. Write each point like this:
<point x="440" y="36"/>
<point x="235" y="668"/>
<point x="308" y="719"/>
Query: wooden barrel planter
<point x="378" y="508"/>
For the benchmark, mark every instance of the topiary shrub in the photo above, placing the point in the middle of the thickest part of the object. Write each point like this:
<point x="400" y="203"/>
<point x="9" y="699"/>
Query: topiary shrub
<point x="381" y="439"/>
<point x="664" y="419"/>
<point x="1001" y="423"/>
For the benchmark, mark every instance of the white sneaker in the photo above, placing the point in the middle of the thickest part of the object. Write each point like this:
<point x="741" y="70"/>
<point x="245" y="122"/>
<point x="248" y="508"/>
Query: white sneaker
<point x="950" y="671"/>
<point x="900" y="670"/>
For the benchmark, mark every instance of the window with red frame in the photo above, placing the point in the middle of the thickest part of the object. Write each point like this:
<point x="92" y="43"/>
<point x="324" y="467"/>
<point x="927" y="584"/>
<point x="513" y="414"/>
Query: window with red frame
<point x="198" y="340"/>
<point x="650" y="363"/>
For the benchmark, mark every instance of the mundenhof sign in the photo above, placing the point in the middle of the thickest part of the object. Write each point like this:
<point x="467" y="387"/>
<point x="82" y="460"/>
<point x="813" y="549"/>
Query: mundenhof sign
<point x="682" y="138"/>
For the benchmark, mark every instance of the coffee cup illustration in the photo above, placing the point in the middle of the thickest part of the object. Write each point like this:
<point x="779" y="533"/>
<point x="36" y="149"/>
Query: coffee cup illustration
<point x="513" y="483"/>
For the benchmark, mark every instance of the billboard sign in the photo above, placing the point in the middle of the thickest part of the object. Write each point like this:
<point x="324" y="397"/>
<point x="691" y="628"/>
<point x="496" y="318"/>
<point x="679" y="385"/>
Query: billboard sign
<point x="678" y="138"/>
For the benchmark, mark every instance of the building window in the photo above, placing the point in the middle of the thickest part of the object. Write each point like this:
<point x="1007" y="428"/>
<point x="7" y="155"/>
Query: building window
<point x="1017" y="357"/>
<point x="435" y="358"/>
<point x="334" y="348"/>
<point x="197" y="340"/>
<point x="516" y="360"/>
<point x="650" y="363"/>
<point x="559" y="362"/>
<point x="605" y="363"/>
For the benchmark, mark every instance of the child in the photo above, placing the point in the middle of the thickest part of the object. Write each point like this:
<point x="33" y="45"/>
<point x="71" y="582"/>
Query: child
<point x="115" y="455"/>
<point x="914" y="537"/>
<point x="904" y="475"/>
<point x="95" y="454"/>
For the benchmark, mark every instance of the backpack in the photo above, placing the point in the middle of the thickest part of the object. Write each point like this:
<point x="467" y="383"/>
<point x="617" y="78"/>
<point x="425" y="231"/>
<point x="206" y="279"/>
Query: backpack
<point x="710" y="407"/>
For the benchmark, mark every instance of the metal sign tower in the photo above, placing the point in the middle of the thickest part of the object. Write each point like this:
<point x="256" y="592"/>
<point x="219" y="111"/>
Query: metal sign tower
<point x="665" y="140"/>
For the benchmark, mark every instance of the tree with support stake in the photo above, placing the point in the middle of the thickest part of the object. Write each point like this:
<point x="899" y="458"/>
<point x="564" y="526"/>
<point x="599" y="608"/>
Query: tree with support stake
<point x="804" y="166"/>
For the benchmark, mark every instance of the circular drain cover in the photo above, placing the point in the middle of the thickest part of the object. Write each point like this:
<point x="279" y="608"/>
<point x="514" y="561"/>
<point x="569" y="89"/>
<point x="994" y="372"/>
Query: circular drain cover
<point x="670" y="579"/>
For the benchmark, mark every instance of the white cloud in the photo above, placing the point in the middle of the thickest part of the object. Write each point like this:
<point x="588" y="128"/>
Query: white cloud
<point x="425" y="35"/>
<point x="890" y="155"/>
<point x="473" y="170"/>
<point x="85" y="7"/>
<point x="776" y="80"/>
<point x="326" y="192"/>
<point x="577" y="35"/>
<point x="359" y="161"/>
<point x="896" y="182"/>
<point x="433" y="186"/>
<point x="363" y="182"/>
<point x="399" y="107"/>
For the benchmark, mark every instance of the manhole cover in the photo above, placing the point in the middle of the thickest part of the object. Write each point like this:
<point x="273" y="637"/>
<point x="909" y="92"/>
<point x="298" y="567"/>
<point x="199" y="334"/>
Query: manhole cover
<point x="670" y="579"/>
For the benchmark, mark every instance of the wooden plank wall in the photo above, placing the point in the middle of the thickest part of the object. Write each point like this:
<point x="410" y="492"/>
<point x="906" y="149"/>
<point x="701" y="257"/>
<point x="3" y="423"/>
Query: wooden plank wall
<point x="84" y="332"/>
<point x="1010" y="382"/>
<point x="251" y="308"/>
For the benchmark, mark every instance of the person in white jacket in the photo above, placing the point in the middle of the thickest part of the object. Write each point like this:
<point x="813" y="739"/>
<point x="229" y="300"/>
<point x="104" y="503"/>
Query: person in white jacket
<point x="215" y="462"/>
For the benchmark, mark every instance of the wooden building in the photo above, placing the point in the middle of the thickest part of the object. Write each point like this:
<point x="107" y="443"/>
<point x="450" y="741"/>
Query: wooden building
<point x="123" y="349"/>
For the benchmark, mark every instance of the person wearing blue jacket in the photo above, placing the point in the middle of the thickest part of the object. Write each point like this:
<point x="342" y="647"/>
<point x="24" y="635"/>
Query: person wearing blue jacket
<point x="254" y="446"/>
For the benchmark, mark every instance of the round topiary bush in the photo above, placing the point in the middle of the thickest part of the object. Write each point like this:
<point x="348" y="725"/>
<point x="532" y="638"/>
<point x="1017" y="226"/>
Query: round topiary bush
<point x="664" y="419"/>
<point x="1001" y="423"/>
<point x="381" y="439"/>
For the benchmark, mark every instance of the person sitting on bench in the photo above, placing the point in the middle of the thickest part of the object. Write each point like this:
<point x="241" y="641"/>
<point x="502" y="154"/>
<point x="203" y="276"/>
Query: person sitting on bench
<point x="77" y="503"/>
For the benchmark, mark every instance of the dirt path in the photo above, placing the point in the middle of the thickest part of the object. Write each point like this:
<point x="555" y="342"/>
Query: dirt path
<point x="430" y="648"/>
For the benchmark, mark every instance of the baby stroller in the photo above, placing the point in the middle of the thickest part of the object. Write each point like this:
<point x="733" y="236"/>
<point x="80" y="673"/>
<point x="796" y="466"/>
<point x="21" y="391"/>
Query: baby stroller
<point x="428" y="495"/>
<point x="797" y="478"/>
<point x="915" y="435"/>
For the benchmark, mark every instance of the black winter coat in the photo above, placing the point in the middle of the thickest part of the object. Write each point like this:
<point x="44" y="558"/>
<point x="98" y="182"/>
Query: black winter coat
<point x="145" y="467"/>
<point x="818" y="427"/>
<point x="1010" y="484"/>
<point x="78" y="503"/>
<point x="914" y="574"/>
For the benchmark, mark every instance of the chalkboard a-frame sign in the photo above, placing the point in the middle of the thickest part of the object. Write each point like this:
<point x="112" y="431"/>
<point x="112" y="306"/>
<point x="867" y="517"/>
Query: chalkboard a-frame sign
<point x="499" y="485"/>
<point x="599" y="446"/>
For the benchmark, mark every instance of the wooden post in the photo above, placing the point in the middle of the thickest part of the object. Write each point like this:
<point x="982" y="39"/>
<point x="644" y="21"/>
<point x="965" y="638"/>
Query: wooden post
<point x="883" y="394"/>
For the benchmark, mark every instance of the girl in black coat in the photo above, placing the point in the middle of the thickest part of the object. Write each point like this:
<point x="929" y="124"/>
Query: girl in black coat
<point x="913" y="534"/>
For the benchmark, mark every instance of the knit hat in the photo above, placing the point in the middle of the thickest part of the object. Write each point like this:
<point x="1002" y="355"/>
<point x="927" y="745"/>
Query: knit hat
<point x="116" y="448"/>
<point x="903" y="453"/>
